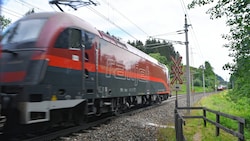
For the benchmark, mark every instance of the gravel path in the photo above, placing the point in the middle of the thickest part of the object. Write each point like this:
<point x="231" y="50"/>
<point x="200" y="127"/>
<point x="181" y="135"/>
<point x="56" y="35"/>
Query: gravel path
<point x="140" y="127"/>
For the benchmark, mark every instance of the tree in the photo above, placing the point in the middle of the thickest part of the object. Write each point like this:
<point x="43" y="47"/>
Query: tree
<point x="138" y="44"/>
<point x="164" y="48"/>
<point x="4" y="22"/>
<point x="238" y="19"/>
<point x="208" y="69"/>
<point x="157" y="56"/>
<point x="157" y="49"/>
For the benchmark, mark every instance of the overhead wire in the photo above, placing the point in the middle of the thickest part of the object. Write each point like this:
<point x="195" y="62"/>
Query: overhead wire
<point x="11" y="12"/>
<point x="107" y="19"/>
<point x="196" y="43"/>
<point x="17" y="14"/>
<point x="29" y="5"/>
<point x="125" y="17"/>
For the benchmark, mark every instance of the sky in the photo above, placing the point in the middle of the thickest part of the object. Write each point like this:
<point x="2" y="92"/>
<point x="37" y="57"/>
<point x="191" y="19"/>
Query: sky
<point x="141" y="19"/>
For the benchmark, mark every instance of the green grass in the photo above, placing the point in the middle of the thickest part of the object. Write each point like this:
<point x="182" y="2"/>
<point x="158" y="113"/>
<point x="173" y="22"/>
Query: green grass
<point x="194" y="129"/>
<point x="194" y="90"/>
<point x="166" y="134"/>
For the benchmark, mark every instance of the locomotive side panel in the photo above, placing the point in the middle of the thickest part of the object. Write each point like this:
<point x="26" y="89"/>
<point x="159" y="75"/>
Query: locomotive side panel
<point x="124" y="73"/>
<point x="118" y="71"/>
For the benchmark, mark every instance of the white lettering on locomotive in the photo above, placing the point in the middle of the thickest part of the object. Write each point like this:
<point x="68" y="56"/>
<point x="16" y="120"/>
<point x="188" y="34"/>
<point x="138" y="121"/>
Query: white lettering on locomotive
<point x="118" y="71"/>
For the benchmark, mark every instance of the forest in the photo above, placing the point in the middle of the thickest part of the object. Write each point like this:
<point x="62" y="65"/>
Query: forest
<point x="162" y="51"/>
<point x="238" y="20"/>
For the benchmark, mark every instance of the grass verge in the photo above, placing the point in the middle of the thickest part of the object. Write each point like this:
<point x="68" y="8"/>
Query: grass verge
<point x="194" y="129"/>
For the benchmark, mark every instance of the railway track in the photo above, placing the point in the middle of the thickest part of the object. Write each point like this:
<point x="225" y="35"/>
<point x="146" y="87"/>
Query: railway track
<point x="74" y="129"/>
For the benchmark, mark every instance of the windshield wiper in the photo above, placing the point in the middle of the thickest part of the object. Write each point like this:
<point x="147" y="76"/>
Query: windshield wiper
<point x="9" y="51"/>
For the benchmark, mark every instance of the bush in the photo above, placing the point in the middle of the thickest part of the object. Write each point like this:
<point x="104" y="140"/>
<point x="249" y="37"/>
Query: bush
<point x="197" y="82"/>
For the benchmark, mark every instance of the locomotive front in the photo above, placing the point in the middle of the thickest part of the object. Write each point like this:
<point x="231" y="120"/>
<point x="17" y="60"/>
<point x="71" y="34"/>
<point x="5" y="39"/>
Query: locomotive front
<point x="22" y="66"/>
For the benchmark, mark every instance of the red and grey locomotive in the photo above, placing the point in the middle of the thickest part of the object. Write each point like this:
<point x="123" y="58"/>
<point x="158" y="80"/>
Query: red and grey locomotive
<point x="55" y="67"/>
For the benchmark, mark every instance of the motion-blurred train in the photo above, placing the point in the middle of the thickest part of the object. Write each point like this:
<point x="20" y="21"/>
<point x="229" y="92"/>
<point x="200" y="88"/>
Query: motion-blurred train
<point x="56" y="68"/>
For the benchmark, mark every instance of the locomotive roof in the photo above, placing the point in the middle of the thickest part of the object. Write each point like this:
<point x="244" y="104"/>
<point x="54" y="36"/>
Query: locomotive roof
<point x="142" y="54"/>
<point x="64" y="19"/>
<point x="119" y="43"/>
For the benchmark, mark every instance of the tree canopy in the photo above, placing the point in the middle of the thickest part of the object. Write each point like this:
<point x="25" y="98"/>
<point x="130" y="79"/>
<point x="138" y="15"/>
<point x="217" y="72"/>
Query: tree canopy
<point x="161" y="50"/>
<point x="238" y="19"/>
<point x="4" y="22"/>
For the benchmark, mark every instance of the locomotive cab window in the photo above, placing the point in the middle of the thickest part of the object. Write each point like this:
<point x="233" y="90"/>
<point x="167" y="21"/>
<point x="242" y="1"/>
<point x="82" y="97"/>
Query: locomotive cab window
<point x="87" y="39"/>
<point x="69" y="38"/>
<point x="23" y="31"/>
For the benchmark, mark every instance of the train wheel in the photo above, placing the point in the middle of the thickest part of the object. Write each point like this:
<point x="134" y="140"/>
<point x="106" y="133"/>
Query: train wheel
<point x="158" y="99"/>
<point x="117" y="111"/>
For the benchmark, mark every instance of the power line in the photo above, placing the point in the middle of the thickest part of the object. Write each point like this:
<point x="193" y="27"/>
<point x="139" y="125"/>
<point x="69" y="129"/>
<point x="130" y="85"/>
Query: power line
<point x="18" y="14"/>
<point x="196" y="43"/>
<point x="107" y="19"/>
<point x="183" y="7"/>
<point x="29" y="5"/>
<point x="95" y="11"/>
<point x="125" y="17"/>
<point x="11" y="12"/>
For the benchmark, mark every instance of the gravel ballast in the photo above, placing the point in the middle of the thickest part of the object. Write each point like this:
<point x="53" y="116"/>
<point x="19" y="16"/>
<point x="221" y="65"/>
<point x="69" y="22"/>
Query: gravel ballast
<point x="142" y="126"/>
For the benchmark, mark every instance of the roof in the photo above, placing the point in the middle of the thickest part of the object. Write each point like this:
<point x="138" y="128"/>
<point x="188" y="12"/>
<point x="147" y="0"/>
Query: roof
<point x="64" y="19"/>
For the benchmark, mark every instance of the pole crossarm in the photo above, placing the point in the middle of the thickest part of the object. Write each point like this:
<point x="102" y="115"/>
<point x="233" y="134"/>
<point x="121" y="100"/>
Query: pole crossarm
<point x="170" y="41"/>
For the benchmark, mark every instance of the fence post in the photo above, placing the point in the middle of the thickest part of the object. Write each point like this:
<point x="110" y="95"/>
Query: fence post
<point x="204" y="117"/>
<point x="176" y="103"/>
<point x="241" y="130"/>
<point x="217" y="128"/>
<point x="176" y="123"/>
<point x="181" y="136"/>
<point x="178" y="128"/>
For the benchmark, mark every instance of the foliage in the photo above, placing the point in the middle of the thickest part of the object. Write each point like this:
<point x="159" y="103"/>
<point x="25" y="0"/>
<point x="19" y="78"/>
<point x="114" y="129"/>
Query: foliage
<point x="138" y="44"/>
<point x="238" y="19"/>
<point x="223" y="102"/>
<point x="166" y="134"/>
<point x="153" y="46"/>
<point x="157" y="56"/>
<point x="162" y="51"/>
<point x="194" y="129"/>
<point x="164" y="48"/>
<point x="209" y="75"/>
<point x="4" y="22"/>
<point x="211" y="79"/>
<point x="197" y="82"/>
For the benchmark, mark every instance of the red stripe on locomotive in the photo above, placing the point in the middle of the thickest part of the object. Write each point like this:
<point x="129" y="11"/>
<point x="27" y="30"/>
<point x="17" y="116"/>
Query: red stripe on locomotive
<point x="12" y="76"/>
<point x="63" y="62"/>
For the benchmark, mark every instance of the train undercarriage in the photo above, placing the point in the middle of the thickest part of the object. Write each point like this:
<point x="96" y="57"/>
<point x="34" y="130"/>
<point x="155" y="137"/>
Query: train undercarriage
<point x="76" y="115"/>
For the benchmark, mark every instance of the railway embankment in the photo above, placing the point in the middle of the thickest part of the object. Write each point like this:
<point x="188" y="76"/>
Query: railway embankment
<point x="144" y="125"/>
